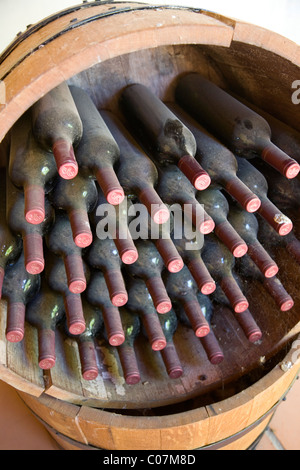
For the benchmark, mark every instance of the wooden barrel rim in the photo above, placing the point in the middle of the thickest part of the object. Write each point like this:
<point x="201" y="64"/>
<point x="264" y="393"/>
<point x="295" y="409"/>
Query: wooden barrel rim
<point x="216" y="425"/>
<point x="217" y="30"/>
<point x="88" y="49"/>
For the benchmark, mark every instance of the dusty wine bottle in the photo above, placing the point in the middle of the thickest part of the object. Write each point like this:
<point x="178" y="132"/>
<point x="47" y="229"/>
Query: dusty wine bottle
<point x="249" y="326"/>
<point x="57" y="127"/>
<point x="103" y="255"/>
<point x="270" y="239"/>
<point x="255" y="180"/>
<point x="161" y="131"/>
<point x="247" y="226"/>
<point x="241" y="129"/>
<point x="60" y="241"/>
<point x="160" y="235"/>
<point x="183" y="290"/>
<point x="126" y="351"/>
<point x="87" y="340"/>
<point x="169" y="354"/>
<point x="245" y="319"/>
<point x="45" y="312"/>
<point x="217" y="207"/>
<point x="220" y="263"/>
<point x="149" y="267"/>
<point x="190" y="251"/>
<point x="77" y="197"/>
<point x="137" y="173"/>
<point x="209" y="342"/>
<point x="97" y="294"/>
<point x="285" y="194"/>
<point x="219" y="162"/>
<point x="140" y="303"/>
<point x="31" y="169"/>
<point x="248" y="271"/>
<point x="19" y="288"/>
<point x="32" y="235"/>
<point x="174" y="188"/>
<point x="112" y="223"/>
<point x="284" y="136"/>
<point x="97" y="151"/>
<point x="55" y="274"/>
<point x="10" y="245"/>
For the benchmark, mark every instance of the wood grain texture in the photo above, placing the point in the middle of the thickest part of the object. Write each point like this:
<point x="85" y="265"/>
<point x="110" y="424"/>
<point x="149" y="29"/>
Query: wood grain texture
<point x="39" y="63"/>
<point x="247" y="412"/>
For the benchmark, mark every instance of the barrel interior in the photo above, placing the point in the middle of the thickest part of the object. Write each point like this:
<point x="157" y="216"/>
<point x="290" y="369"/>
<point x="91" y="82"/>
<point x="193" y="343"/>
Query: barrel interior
<point x="265" y="79"/>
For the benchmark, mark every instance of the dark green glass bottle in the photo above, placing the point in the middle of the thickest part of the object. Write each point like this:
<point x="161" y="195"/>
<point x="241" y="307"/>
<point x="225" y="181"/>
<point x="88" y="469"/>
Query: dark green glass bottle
<point x="19" y="287"/>
<point x="45" y="312"/>
<point x="131" y="327"/>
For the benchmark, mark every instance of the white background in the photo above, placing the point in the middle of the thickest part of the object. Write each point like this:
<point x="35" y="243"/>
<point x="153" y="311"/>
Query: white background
<point x="281" y="16"/>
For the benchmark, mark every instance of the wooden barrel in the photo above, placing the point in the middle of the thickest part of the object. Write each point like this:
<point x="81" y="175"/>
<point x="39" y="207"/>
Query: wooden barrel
<point x="101" y="47"/>
<point x="231" y="424"/>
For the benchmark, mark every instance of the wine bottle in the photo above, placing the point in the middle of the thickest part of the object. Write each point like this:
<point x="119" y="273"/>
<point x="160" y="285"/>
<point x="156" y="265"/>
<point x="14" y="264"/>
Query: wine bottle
<point x="183" y="291"/>
<point x="284" y="136"/>
<point x="220" y="263"/>
<point x="97" y="151"/>
<point x="249" y="326"/>
<point x="169" y="354"/>
<point x="97" y="294"/>
<point x="31" y="169"/>
<point x="271" y="241"/>
<point x="32" y="235"/>
<point x="219" y="162"/>
<point x="140" y="303"/>
<point x="160" y="235"/>
<point x="217" y="207"/>
<point x="285" y="194"/>
<point x="10" y="245"/>
<point x="45" y="312"/>
<point x="209" y="342"/>
<point x="87" y="340"/>
<point x="57" y="127"/>
<point x="190" y="250"/>
<point x="60" y="241"/>
<point x="248" y="271"/>
<point x="78" y="198"/>
<point x="19" y="288"/>
<point x="255" y="180"/>
<point x="174" y="188"/>
<point x="149" y="267"/>
<point x="126" y="352"/>
<point x="167" y="138"/>
<point x="247" y="226"/>
<point x="103" y="255"/>
<point x="244" y="319"/>
<point x="56" y="277"/>
<point x="113" y="223"/>
<point x="241" y="129"/>
<point x="137" y="173"/>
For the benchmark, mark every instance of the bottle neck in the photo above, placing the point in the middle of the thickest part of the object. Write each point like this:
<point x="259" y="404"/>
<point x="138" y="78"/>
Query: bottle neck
<point x="279" y="160"/>
<point x="230" y="237"/>
<point x="234" y="294"/>
<point x="241" y="193"/>
<point x="275" y="218"/>
<point x="46" y="346"/>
